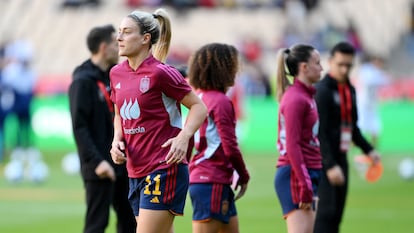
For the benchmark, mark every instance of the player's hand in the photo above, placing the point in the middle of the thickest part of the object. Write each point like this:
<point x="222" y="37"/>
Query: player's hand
<point x="335" y="176"/>
<point x="178" y="149"/>
<point x="305" y="205"/>
<point x="105" y="170"/>
<point x="117" y="152"/>
<point x="374" y="156"/>
<point x="242" y="190"/>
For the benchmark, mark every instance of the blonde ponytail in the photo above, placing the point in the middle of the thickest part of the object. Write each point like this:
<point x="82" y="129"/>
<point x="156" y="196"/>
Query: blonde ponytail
<point x="161" y="48"/>
<point x="282" y="82"/>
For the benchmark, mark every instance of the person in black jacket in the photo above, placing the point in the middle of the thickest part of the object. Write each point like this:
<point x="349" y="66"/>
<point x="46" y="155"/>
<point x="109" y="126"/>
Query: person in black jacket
<point x="336" y="103"/>
<point x="91" y="110"/>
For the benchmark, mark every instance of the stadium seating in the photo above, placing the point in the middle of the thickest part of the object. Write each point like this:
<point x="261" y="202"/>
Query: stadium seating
<point x="58" y="35"/>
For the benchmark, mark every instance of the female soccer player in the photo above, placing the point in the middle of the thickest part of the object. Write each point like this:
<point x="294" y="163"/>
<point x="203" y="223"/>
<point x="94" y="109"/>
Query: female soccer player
<point x="212" y="71"/>
<point x="148" y="132"/>
<point x="299" y="163"/>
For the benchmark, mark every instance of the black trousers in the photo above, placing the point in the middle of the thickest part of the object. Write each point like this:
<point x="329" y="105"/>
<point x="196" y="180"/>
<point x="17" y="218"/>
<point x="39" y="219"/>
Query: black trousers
<point x="331" y="202"/>
<point x="100" y="196"/>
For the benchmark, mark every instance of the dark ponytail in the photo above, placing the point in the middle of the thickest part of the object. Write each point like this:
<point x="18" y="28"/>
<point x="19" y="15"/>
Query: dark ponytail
<point x="288" y="64"/>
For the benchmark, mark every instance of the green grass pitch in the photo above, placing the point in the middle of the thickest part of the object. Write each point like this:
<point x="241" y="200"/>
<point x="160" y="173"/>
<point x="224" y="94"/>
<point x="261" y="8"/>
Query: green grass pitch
<point x="58" y="204"/>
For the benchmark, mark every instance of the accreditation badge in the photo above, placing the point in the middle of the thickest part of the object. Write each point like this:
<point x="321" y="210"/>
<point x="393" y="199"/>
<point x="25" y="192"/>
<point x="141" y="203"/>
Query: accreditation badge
<point x="346" y="138"/>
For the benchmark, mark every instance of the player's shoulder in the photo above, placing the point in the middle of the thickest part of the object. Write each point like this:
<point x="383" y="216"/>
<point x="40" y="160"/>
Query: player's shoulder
<point x="166" y="69"/>
<point x="84" y="76"/>
<point x="293" y="99"/>
<point x="216" y="95"/>
<point x="217" y="98"/>
<point x="120" y="67"/>
<point x="324" y="83"/>
<point x="325" y="86"/>
<point x="167" y="73"/>
<point x="294" y="93"/>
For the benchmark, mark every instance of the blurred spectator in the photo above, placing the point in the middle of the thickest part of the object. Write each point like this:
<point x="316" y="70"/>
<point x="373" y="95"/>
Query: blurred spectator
<point x="133" y="3"/>
<point x="255" y="81"/>
<point x="2" y="112"/>
<point x="332" y="34"/>
<point x="79" y="3"/>
<point x="353" y="37"/>
<point x="236" y="95"/>
<point x="178" y="55"/>
<point x="290" y="38"/>
<point x="412" y="17"/>
<point x="296" y="15"/>
<point x="279" y="3"/>
<point x="18" y="75"/>
<point x="3" y="45"/>
<point x="252" y="79"/>
<point x="72" y="3"/>
<point x="4" y="93"/>
<point x="371" y="77"/>
<point x="409" y="38"/>
<point x="138" y="3"/>
<point x="183" y="69"/>
<point x="181" y="5"/>
<point x="187" y="4"/>
<point x="310" y="4"/>
<point x="207" y="3"/>
<point x="251" y="49"/>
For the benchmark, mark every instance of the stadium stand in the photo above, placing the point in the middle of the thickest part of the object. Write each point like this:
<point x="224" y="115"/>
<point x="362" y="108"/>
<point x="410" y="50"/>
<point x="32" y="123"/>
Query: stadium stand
<point x="58" y="34"/>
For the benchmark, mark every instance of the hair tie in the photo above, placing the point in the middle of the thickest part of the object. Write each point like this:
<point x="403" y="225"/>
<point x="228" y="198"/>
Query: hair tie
<point x="155" y="16"/>
<point x="287" y="51"/>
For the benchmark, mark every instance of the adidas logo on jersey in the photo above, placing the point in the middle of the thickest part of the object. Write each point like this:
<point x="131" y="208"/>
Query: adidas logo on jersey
<point x="155" y="200"/>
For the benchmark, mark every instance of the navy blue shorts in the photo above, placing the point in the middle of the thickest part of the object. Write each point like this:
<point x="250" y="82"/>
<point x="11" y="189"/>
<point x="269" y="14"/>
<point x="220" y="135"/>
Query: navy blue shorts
<point x="212" y="201"/>
<point x="283" y="188"/>
<point x="164" y="189"/>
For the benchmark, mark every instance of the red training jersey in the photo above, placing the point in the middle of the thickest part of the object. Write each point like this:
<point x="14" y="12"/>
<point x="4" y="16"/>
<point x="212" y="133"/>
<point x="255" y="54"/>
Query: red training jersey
<point x="148" y="100"/>
<point x="298" y="142"/>
<point x="217" y="151"/>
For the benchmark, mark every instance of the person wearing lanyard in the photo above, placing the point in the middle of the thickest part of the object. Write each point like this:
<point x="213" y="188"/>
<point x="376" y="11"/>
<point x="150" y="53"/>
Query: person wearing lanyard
<point x="92" y="111"/>
<point x="336" y="103"/>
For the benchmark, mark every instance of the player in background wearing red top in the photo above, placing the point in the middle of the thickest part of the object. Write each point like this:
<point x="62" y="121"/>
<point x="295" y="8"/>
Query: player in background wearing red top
<point x="299" y="163"/>
<point x="212" y="71"/>
<point x="148" y="131"/>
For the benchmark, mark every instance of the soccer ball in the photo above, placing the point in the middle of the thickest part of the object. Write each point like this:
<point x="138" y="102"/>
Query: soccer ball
<point x="14" y="171"/>
<point x="37" y="171"/>
<point x="406" y="169"/>
<point x="26" y="164"/>
<point x="71" y="164"/>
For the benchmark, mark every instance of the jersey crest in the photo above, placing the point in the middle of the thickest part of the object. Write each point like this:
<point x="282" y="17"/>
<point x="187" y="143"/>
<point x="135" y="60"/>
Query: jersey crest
<point x="224" y="207"/>
<point x="144" y="84"/>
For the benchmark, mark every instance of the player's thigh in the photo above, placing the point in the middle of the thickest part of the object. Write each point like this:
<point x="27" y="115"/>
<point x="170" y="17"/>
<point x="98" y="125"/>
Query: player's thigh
<point x="231" y="227"/>
<point x="154" y="221"/>
<point x="210" y="226"/>
<point x="300" y="221"/>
